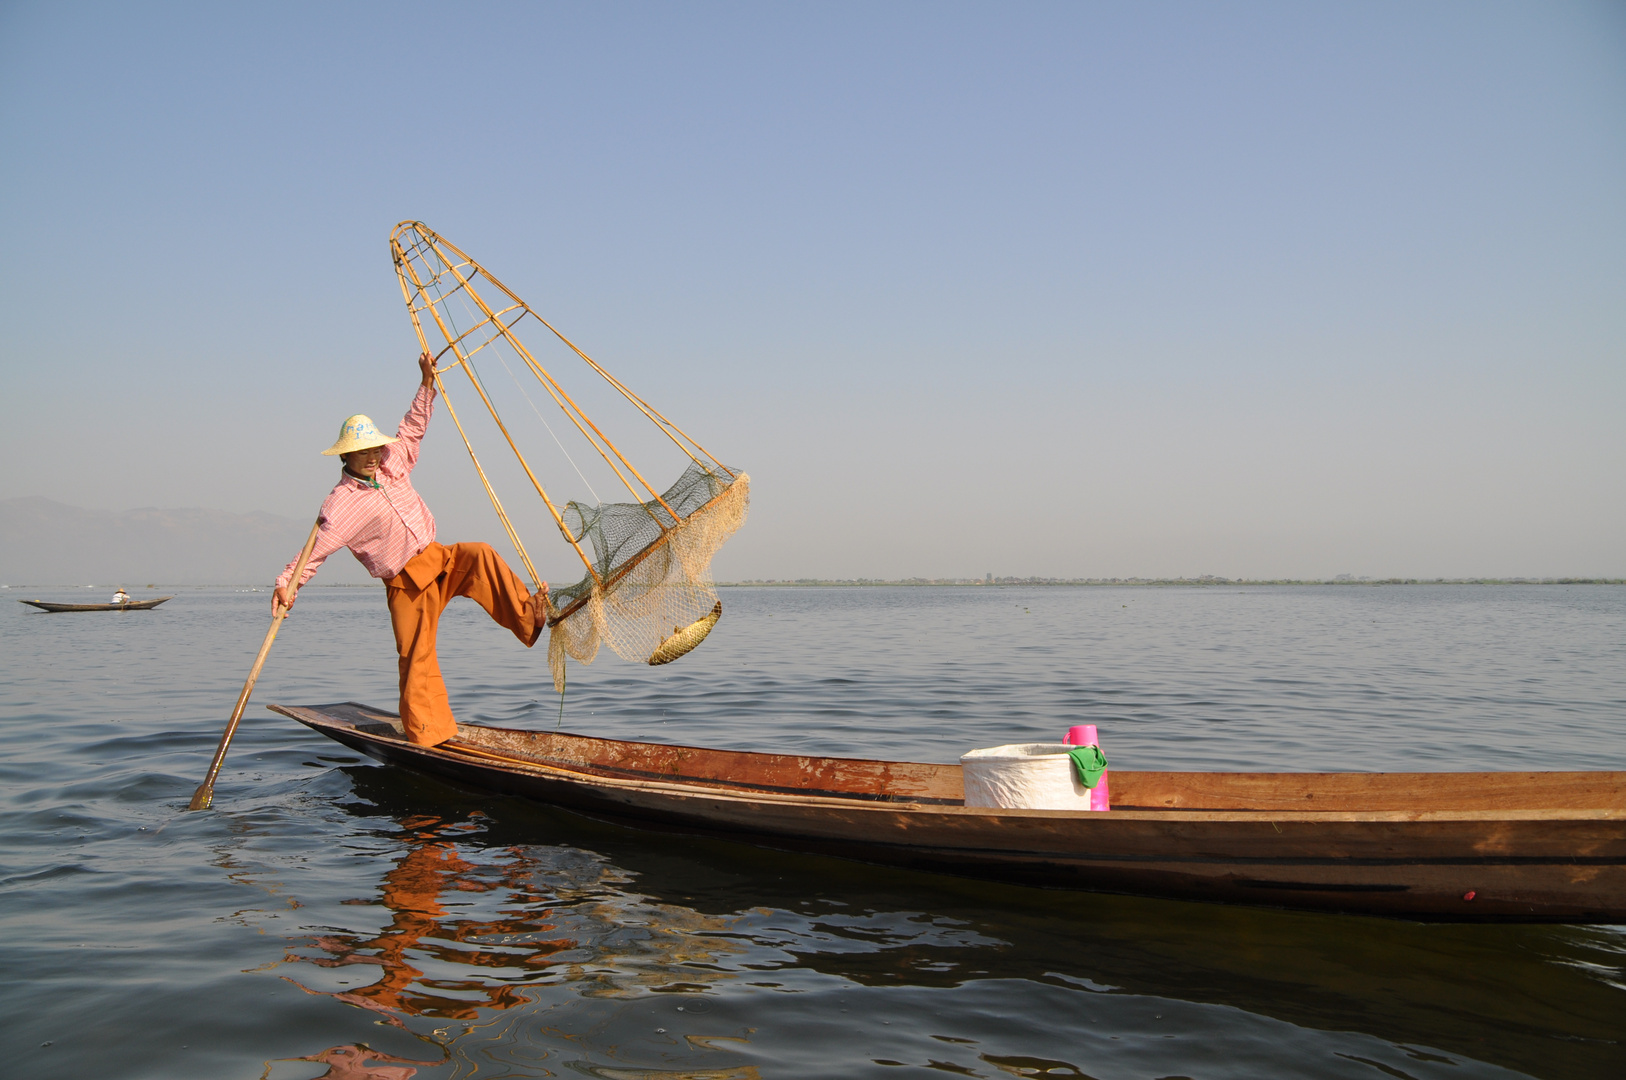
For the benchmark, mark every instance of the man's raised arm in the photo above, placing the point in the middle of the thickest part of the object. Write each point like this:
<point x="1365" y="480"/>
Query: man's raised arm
<point x="401" y="456"/>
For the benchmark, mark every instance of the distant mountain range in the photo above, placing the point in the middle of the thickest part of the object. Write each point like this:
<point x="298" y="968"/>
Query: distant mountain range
<point x="43" y="542"/>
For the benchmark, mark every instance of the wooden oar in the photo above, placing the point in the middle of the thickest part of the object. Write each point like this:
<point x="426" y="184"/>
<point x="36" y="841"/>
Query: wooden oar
<point x="205" y="794"/>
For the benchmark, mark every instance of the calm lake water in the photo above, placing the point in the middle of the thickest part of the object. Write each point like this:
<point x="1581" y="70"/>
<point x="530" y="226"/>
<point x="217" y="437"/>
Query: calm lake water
<point x="332" y="917"/>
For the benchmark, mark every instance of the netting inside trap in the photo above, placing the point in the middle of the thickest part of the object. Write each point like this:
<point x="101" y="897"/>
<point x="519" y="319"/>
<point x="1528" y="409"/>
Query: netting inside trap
<point x="653" y="568"/>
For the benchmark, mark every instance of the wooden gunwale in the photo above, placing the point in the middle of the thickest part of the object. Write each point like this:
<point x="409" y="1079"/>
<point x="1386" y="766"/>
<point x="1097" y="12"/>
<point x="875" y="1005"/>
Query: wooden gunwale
<point x="652" y="781"/>
<point x="1587" y="795"/>
<point x="754" y="792"/>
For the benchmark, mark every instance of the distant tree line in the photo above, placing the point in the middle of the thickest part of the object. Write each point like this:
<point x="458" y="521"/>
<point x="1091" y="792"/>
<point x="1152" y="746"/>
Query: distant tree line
<point x="1206" y="579"/>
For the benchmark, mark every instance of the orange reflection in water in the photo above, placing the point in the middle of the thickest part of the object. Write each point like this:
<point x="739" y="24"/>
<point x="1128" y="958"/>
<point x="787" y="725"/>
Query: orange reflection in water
<point x="421" y="930"/>
<point x="475" y="929"/>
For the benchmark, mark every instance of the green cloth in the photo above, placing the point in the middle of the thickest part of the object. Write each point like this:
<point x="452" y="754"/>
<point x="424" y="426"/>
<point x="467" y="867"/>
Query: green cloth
<point x="1089" y="762"/>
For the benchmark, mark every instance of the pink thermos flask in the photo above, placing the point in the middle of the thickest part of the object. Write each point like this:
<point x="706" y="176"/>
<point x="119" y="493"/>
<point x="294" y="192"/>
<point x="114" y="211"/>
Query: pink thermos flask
<point x="1084" y="735"/>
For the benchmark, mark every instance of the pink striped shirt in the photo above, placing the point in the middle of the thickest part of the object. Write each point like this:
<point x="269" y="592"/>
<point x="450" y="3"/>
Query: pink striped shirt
<point x="383" y="526"/>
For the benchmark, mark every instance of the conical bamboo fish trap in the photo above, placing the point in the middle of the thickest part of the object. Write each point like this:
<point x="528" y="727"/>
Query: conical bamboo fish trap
<point x="648" y="591"/>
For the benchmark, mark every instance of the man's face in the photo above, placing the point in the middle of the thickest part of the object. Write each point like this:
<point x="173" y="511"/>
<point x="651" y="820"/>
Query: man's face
<point x="364" y="462"/>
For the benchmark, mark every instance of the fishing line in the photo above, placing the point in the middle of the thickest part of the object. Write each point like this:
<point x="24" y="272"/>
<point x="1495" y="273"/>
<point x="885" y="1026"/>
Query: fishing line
<point x="501" y="359"/>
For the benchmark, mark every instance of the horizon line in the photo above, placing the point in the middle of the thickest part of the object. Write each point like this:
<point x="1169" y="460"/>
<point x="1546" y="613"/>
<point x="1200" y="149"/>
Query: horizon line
<point x="945" y="582"/>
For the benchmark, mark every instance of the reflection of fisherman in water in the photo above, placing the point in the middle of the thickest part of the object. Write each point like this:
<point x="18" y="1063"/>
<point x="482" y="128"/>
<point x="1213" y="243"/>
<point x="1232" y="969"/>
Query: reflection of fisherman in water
<point x="412" y="891"/>
<point x="619" y="942"/>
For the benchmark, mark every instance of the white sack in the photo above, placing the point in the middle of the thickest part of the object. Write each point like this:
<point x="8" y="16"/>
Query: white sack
<point x="1026" y="776"/>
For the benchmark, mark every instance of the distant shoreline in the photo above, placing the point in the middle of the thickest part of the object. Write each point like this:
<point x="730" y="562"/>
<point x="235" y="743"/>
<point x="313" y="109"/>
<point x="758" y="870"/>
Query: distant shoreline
<point x="773" y="583"/>
<point x="1208" y="581"/>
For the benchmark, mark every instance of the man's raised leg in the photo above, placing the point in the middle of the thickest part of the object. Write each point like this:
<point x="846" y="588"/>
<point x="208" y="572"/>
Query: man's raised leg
<point x="478" y="572"/>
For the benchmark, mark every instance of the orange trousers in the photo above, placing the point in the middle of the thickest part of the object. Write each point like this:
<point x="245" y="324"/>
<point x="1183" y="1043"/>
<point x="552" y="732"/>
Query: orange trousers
<point x="417" y="596"/>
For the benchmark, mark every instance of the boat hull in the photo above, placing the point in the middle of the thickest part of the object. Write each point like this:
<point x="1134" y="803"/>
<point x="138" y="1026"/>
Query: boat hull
<point x="1508" y="858"/>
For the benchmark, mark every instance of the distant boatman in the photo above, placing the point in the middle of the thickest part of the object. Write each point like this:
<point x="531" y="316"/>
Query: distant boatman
<point x="375" y="512"/>
<point x="121" y="597"/>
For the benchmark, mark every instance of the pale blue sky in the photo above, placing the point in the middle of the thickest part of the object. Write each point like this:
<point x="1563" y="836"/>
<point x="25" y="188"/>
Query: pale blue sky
<point x="1072" y="289"/>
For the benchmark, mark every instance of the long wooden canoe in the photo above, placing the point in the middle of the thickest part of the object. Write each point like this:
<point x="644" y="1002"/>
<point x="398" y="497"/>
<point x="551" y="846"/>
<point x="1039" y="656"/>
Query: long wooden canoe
<point x="1516" y="847"/>
<point x="133" y="605"/>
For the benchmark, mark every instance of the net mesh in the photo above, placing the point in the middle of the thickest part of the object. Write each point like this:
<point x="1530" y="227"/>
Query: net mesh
<point x="653" y="569"/>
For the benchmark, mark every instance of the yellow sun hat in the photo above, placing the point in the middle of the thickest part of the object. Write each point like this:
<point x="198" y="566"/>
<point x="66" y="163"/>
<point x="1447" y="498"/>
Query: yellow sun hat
<point x="358" y="433"/>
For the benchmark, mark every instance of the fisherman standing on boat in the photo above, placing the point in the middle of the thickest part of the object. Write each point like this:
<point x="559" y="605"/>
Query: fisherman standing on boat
<point x="375" y="512"/>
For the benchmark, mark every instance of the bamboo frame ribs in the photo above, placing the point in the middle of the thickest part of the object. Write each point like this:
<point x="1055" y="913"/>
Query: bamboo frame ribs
<point x="432" y="271"/>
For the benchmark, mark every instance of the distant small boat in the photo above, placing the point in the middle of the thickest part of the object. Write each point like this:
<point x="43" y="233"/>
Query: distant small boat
<point x="1474" y="847"/>
<point x="133" y="605"/>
